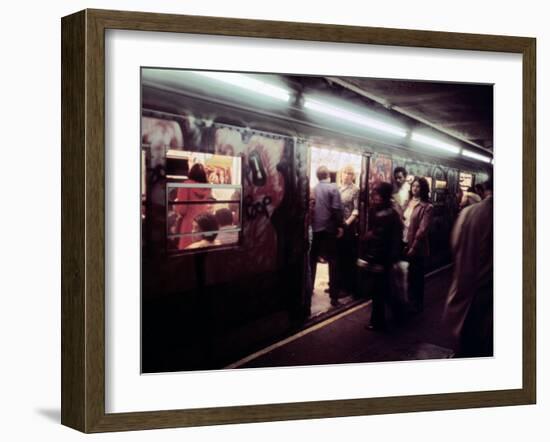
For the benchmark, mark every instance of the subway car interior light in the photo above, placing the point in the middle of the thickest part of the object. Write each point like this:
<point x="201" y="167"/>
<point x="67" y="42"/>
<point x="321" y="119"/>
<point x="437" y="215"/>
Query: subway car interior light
<point x="262" y="197"/>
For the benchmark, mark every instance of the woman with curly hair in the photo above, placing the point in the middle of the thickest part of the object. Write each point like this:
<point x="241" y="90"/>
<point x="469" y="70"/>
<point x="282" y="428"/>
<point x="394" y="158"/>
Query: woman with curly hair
<point x="417" y="217"/>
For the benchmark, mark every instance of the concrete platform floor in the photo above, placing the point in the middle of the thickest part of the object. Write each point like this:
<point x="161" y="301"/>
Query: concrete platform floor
<point x="343" y="337"/>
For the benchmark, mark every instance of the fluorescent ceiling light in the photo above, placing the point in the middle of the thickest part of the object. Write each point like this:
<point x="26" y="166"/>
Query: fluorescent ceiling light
<point x="246" y="82"/>
<point x="435" y="143"/>
<point x="353" y="117"/>
<point x="476" y="156"/>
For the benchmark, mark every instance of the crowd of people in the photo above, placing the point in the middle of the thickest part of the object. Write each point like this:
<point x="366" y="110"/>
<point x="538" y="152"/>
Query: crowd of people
<point x="394" y="250"/>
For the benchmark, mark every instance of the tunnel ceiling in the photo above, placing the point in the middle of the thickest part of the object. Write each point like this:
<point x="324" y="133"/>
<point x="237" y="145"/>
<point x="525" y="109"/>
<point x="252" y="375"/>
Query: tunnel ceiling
<point x="464" y="110"/>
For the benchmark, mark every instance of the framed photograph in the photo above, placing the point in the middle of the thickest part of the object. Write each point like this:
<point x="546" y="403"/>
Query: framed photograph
<point x="267" y="221"/>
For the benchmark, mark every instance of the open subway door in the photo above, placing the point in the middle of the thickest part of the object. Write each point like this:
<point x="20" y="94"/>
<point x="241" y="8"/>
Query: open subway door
<point x="332" y="266"/>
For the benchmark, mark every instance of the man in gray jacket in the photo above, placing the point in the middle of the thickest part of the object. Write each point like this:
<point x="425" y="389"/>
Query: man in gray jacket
<point x="327" y="225"/>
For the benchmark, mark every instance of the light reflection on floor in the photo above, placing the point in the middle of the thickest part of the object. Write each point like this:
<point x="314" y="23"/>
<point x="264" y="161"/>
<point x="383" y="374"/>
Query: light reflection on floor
<point x="320" y="301"/>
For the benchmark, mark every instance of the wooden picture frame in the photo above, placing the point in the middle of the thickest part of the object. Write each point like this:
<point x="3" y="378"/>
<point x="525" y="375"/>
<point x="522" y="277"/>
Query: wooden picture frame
<point x="83" y="220"/>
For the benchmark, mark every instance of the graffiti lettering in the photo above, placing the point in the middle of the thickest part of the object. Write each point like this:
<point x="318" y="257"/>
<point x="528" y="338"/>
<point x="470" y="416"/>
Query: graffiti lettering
<point x="256" y="168"/>
<point x="259" y="208"/>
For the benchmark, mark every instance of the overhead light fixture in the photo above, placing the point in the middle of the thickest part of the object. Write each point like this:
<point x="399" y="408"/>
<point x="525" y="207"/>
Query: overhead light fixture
<point x="434" y="143"/>
<point x="246" y="82"/>
<point x="476" y="156"/>
<point x="353" y="117"/>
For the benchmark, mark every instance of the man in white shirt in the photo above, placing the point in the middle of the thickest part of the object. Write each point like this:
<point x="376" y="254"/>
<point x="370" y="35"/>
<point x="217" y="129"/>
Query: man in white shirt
<point x="401" y="194"/>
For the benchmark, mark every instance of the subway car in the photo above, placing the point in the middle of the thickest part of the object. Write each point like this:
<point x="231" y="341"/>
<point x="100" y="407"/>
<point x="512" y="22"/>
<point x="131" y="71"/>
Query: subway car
<point x="212" y="298"/>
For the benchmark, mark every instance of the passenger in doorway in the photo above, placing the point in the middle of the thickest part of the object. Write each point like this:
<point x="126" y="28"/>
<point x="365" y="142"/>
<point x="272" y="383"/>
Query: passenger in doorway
<point x="205" y="222"/>
<point x="347" y="245"/>
<point x="327" y="226"/>
<point x="402" y="189"/>
<point x="382" y="248"/>
<point x="469" y="309"/>
<point x="417" y="218"/>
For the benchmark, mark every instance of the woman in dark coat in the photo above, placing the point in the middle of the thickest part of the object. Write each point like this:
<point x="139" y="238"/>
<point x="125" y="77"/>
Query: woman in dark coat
<point x="382" y="246"/>
<point x="417" y="218"/>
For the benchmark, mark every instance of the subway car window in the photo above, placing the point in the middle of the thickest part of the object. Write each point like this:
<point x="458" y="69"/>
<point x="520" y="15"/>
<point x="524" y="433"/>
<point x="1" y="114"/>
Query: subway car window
<point x="380" y="169"/>
<point x="203" y="209"/>
<point x="466" y="180"/>
<point x="338" y="159"/>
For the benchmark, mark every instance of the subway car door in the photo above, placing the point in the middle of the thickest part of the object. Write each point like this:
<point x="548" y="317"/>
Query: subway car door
<point x="364" y="194"/>
<point x="361" y="283"/>
<point x="336" y="160"/>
